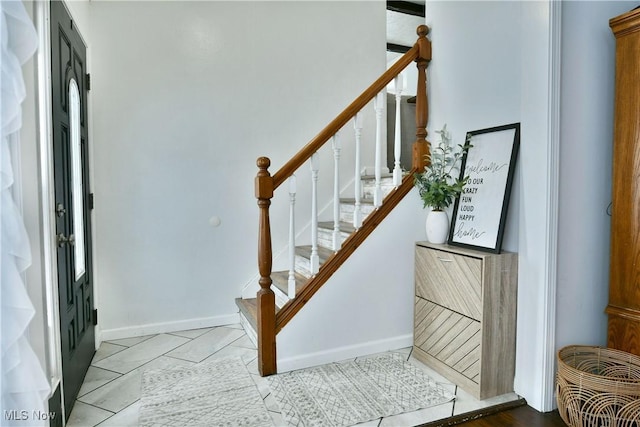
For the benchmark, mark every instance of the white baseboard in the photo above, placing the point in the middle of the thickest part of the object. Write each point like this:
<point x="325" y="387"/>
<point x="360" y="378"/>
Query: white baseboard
<point x="158" y="328"/>
<point x="343" y="353"/>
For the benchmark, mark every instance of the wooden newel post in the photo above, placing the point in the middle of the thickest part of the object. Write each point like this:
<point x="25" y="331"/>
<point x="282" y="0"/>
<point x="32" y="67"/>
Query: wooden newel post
<point x="266" y="300"/>
<point x="421" y="146"/>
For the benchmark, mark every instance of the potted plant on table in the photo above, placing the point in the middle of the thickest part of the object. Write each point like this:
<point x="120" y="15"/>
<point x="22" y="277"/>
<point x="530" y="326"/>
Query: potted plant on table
<point x="436" y="185"/>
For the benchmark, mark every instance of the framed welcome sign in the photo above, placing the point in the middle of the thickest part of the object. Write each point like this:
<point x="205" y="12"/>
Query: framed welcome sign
<point x="480" y="213"/>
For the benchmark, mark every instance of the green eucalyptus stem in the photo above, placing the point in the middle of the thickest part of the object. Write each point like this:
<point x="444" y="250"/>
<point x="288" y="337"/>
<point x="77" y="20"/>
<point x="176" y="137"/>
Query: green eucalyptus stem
<point x="437" y="188"/>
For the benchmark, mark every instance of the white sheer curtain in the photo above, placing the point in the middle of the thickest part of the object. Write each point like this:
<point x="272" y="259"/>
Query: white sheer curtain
<point x="23" y="382"/>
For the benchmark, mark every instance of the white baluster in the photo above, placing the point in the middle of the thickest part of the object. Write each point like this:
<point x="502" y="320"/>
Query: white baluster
<point x="379" y="108"/>
<point x="397" y="170"/>
<point x="291" y="288"/>
<point x="315" y="259"/>
<point x="357" y="212"/>
<point x="336" y="191"/>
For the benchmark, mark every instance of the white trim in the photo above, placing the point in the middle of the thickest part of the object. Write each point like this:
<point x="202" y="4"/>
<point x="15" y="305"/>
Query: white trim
<point x="98" y="333"/>
<point x="16" y="187"/>
<point x="46" y="196"/>
<point x="547" y="391"/>
<point x="164" y="327"/>
<point x="343" y="353"/>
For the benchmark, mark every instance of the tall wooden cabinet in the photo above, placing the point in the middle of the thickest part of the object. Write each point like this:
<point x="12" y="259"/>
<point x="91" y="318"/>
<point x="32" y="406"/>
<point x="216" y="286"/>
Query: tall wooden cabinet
<point x="624" y="277"/>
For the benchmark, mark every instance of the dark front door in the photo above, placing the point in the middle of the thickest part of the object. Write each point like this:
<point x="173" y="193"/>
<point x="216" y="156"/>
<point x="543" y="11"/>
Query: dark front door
<point x="73" y="220"/>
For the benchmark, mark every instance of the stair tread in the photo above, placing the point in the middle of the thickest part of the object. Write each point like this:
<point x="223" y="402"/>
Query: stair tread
<point x="345" y="227"/>
<point x="249" y="307"/>
<point x="323" y="253"/>
<point x="384" y="175"/>
<point x="281" y="281"/>
<point x="352" y="201"/>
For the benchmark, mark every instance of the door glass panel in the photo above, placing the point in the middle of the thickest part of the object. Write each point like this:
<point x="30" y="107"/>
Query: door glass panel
<point x="76" y="178"/>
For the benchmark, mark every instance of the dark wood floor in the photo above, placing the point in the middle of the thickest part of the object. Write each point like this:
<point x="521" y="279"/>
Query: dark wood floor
<point x="510" y="414"/>
<point x="523" y="416"/>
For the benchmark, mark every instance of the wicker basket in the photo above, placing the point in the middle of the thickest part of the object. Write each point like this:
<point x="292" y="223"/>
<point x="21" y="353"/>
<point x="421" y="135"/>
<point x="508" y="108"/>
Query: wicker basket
<point x="598" y="387"/>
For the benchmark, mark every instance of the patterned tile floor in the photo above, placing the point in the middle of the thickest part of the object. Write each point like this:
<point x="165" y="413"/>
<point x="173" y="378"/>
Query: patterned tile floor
<point x="110" y="394"/>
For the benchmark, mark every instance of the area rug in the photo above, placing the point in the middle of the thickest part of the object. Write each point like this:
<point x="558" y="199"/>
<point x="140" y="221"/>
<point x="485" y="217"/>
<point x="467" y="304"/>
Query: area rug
<point x="218" y="393"/>
<point x="343" y="394"/>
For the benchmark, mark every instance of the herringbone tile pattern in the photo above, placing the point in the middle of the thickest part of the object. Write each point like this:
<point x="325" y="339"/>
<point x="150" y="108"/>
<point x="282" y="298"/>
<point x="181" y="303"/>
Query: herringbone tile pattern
<point x="110" y="395"/>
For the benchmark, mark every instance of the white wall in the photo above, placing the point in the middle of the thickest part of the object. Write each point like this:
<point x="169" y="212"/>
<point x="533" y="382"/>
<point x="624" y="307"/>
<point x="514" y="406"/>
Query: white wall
<point x="80" y="11"/>
<point x="588" y="75"/>
<point x="190" y="94"/>
<point x="495" y="72"/>
<point x="474" y="76"/>
<point x="504" y="74"/>
<point x="367" y="306"/>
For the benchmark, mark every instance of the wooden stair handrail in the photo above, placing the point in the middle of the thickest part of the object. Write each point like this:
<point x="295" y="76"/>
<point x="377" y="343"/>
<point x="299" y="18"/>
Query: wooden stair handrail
<point x="269" y="322"/>
<point x="419" y="53"/>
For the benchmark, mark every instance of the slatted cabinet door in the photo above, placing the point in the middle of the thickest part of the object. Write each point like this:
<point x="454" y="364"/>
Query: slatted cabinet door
<point x="449" y="337"/>
<point x="451" y="280"/>
<point x="465" y="316"/>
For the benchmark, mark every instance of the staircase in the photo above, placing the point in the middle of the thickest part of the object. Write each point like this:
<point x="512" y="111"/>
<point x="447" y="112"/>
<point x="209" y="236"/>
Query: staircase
<point x="283" y="294"/>
<point x="326" y="249"/>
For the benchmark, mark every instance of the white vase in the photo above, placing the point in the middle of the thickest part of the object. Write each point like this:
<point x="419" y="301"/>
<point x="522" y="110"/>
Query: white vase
<point x="437" y="226"/>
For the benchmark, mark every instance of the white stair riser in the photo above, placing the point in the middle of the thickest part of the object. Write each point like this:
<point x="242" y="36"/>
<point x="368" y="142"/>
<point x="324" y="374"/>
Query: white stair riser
<point x="303" y="266"/>
<point x="370" y="180"/>
<point x="369" y="186"/>
<point x="281" y="297"/>
<point x="251" y="333"/>
<point x="325" y="237"/>
<point x="346" y="211"/>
